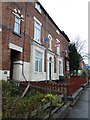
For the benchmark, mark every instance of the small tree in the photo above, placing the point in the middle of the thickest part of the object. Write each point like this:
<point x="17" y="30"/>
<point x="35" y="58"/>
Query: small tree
<point x="74" y="58"/>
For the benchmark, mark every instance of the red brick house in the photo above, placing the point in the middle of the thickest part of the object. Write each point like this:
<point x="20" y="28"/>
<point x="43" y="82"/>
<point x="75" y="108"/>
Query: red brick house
<point x="26" y="54"/>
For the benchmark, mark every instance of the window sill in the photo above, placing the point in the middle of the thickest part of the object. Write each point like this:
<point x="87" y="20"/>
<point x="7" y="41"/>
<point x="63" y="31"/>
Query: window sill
<point x="38" y="72"/>
<point x="19" y="35"/>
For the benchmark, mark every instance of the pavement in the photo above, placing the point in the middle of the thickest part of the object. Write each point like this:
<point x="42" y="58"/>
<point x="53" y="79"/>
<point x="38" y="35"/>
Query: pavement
<point x="82" y="106"/>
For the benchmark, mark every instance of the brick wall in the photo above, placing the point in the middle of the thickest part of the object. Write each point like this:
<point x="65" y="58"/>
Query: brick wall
<point x="27" y="30"/>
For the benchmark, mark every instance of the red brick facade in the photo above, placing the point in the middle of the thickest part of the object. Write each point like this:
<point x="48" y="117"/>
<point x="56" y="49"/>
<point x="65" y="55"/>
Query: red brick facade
<point x="27" y="33"/>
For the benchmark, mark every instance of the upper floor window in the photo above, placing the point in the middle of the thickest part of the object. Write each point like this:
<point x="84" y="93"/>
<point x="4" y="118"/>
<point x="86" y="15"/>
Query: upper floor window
<point x="17" y="24"/>
<point x="37" y="6"/>
<point x="38" y="61"/>
<point x="57" y="31"/>
<point x="67" y="64"/>
<point x="66" y="53"/>
<point x="49" y="45"/>
<point x="37" y="30"/>
<point x="58" y="46"/>
<point x="18" y="19"/>
<point x="58" y="50"/>
<point x="50" y="42"/>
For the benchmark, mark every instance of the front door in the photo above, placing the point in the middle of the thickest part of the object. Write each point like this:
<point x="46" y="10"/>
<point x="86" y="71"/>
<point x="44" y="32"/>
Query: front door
<point x="49" y="70"/>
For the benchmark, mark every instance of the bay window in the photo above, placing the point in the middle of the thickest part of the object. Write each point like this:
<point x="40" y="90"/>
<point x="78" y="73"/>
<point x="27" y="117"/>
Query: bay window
<point x="38" y="61"/>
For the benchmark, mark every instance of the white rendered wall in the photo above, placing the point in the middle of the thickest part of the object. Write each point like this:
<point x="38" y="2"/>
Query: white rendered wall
<point x="17" y="70"/>
<point x="36" y="76"/>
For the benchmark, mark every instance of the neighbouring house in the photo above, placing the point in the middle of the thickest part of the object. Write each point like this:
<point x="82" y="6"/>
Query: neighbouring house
<point x="33" y="46"/>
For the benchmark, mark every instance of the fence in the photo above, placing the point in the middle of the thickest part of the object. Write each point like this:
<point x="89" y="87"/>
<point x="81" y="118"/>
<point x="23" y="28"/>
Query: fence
<point x="68" y="88"/>
<point x="75" y="83"/>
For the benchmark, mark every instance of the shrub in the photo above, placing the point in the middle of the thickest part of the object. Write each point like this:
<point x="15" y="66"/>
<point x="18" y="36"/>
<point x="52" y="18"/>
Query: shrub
<point x="49" y="98"/>
<point x="84" y="74"/>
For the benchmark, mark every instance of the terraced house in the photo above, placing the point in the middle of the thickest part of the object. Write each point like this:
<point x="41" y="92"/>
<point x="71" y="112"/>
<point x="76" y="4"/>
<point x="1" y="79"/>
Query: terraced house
<point x="33" y="46"/>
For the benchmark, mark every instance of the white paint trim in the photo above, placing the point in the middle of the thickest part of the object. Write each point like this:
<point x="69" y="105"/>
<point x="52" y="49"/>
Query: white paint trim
<point x="18" y="62"/>
<point x="15" y="47"/>
<point x="50" y="52"/>
<point x="37" y="20"/>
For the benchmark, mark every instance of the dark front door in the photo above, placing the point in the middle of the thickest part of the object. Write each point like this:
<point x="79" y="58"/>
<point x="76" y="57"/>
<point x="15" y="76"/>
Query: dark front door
<point x="49" y="71"/>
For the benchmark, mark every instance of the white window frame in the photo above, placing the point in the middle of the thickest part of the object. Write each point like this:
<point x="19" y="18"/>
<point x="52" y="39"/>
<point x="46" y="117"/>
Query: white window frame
<point x="57" y="31"/>
<point x="17" y="24"/>
<point x="39" y="60"/>
<point x="66" y="53"/>
<point x="50" y="45"/>
<point x="58" y="48"/>
<point x="60" y="67"/>
<point x="67" y="63"/>
<point x="37" y="6"/>
<point x="50" y="42"/>
<point x="37" y="30"/>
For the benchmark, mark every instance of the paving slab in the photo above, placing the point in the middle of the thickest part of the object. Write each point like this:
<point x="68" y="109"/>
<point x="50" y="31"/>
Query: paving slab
<point x="81" y="108"/>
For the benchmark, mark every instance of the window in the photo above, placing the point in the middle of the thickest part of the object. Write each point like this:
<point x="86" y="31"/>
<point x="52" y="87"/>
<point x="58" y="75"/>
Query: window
<point x="57" y="31"/>
<point x="67" y="65"/>
<point x="37" y="30"/>
<point x="58" y="46"/>
<point x="60" y="67"/>
<point x="50" y="42"/>
<point x="38" y="61"/>
<point x="58" y="50"/>
<point x="49" y="45"/>
<point x="17" y="24"/>
<point x="66" y="53"/>
<point x="37" y="6"/>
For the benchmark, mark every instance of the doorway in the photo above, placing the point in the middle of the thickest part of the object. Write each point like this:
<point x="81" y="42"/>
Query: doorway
<point x="14" y="56"/>
<point x="50" y="68"/>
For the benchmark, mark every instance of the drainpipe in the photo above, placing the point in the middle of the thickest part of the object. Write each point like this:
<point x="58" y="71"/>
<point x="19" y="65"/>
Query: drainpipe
<point x="24" y="45"/>
<point x="28" y="85"/>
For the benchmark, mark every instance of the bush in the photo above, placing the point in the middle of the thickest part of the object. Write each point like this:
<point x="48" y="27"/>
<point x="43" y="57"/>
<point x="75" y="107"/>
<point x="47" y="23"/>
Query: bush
<point x="17" y="107"/>
<point x="49" y="97"/>
<point x="84" y="74"/>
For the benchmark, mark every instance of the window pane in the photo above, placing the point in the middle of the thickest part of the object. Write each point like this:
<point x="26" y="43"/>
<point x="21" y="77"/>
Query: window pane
<point x="16" y="28"/>
<point x="40" y="65"/>
<point x="37" y="6"/>
<point x="38" y="61"/>
<point x="58" y="50"/>
<point x="17" y="25"/>
<point x="60" y="67"/>
<point x="37" y="31"/>
<point x="38" y="35"/>
<point x="17" y="19"/>
<point x="36" y="64"/>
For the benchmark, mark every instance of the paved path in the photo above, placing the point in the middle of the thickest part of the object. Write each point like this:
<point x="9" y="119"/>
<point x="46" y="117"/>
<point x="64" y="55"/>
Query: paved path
<point x="82" y="107"/>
